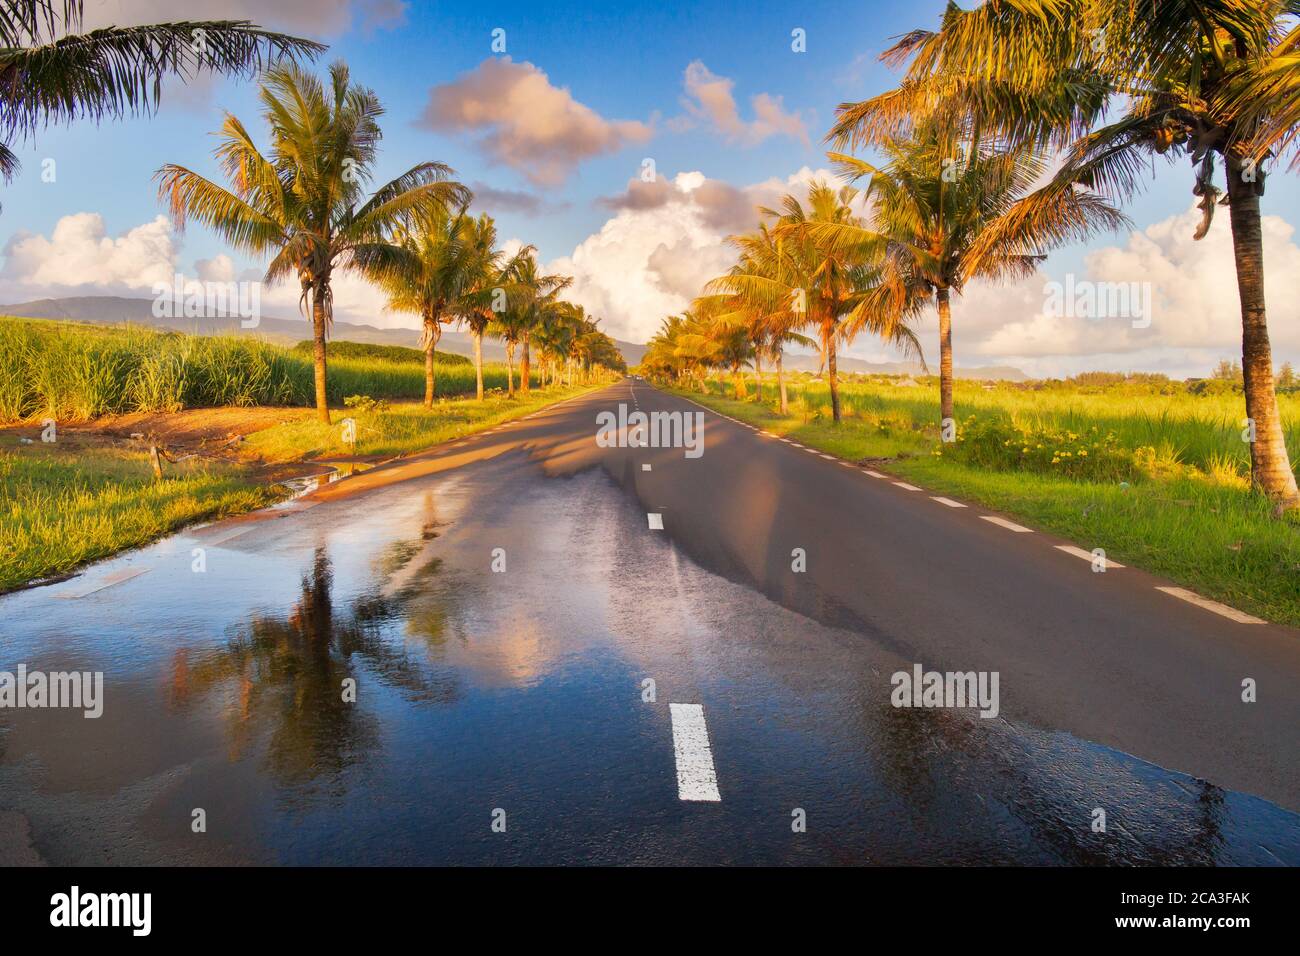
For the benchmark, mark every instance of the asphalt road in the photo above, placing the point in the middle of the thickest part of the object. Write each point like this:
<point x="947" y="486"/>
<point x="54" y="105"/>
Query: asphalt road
<point x="546" y="672"/>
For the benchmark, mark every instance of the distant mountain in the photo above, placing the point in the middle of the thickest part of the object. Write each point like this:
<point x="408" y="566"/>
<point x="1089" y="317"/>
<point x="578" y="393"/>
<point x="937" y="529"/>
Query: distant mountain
<point x="810" y="363"/>
<point x="113" y="310"/>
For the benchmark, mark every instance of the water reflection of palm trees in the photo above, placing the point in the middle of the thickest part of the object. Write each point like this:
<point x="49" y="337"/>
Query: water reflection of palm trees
<point x="282" y="680"/>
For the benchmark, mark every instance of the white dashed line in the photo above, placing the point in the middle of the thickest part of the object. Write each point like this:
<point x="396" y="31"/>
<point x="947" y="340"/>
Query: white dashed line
<point x="876" y="474"/>
<point x="645" y="466"/>
<point x="906" y="487"/>
<point x="656" y="521"/>
<point x="1231" y="613"/>
<point x="696" y="778"/>
<point x="1009" y="525"/>
<point x="947" y="501"/>
<point x="1086" y="555"/>
<point x="829" y="457"/>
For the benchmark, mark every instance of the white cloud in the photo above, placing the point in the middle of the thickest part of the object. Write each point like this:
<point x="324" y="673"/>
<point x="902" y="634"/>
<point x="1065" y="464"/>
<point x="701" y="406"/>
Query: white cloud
<point x="79" y="257"/>
<point x="665" y="241"/>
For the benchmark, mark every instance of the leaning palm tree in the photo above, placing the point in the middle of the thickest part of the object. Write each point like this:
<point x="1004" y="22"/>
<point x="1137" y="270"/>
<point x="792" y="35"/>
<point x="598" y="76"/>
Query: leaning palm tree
<point x="51" y="74"/>
<point x="940" y="225"/>
<point x="1117" y="83"/>
<point x="304" y="202"/>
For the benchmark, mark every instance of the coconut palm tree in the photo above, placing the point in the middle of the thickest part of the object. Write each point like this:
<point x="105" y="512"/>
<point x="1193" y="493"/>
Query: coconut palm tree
<point x="828" y="282"/>
<point x="304" y="202"/>
<point x="939" y="225"/>
<point x="531" y="295"/>
<point x="488" y="295"/>
<point x="439" y="278"/>
<point x="1119" y="82"/>
<point x="51" y="74"/>
<point x="768" y="309"/>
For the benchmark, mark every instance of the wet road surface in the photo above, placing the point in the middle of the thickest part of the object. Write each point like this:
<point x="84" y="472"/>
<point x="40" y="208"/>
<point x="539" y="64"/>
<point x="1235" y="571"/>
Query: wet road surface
<point x="504" y="716"/>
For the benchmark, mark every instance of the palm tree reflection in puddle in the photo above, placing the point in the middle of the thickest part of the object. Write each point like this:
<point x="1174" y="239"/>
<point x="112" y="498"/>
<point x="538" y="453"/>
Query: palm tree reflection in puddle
<point x="282" y="678"/>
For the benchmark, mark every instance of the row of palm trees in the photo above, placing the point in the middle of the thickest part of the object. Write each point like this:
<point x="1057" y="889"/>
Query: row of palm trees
<point x="307" y="205"/>
<point x="989" y="102"/>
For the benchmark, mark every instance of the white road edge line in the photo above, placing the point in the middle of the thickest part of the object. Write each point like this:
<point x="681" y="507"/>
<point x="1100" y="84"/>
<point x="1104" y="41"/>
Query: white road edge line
<point x="1009" y="525"/>
<point x="696" y="778"/>
<point x="875" y="474"/>
<point x="947" y="501"/>
<point x="906" y="487"/>
<point x="1231" y="613"/>
<point x="656" y="520"/>
<point x="1086" y="555"/>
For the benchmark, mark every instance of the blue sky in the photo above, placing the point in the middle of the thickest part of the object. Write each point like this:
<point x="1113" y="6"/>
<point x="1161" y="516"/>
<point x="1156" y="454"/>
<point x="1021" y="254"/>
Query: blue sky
<point x="621" y="63"/>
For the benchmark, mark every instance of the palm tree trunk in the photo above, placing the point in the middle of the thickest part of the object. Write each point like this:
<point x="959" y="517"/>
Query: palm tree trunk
<point x="1270" y="466"/>
<point x="828" y="338"/>
<point x="478" y="364"/>
<point x="780" y="379"/>
<point x="433" y="332"/>
<point x="318" y="354"/>
<point x="758" y="377"/>
<point x="739" y="380"/>
<point x="510" y="369"/>
<point x="945" y="353"/>
<point x="524" y="371"/>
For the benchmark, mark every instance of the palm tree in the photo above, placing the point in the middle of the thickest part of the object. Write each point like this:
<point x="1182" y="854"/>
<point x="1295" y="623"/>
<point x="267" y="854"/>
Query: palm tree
<point x="1119" y="82"/>
<point x="304" y="202"/>
<point x="768" y="311"/>
<point x="941" y="225"/>
<point x="438" y="278"/>
<point x="531" y="295"/>
<point x="49" y="74"/>
<point x="827" y="282"/>
<point x="488" y="294"/>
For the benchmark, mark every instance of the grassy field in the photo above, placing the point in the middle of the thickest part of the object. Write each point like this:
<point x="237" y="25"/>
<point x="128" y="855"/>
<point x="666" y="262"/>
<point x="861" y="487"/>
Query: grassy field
<point x="73" y="372"/>
<point x="1157" y="480"/>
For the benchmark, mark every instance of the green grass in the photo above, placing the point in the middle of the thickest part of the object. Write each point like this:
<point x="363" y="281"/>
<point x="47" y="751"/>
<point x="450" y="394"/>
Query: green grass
<point x="73" y="372"/>
<point x="1184" y="512"/>
<point x="60" y="509"/>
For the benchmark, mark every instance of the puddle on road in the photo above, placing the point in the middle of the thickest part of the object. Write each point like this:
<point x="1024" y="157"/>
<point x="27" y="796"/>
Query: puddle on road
<point x="306" y="484"/>
<point x="522" y="690"/>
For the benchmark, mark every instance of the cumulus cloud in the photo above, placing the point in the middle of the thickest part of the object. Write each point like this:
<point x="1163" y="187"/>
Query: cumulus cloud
<point x="80" y="255"/>
<point x="526" y="123"/>
<point x="667" y="238"/>
<point x="709" y="98"/>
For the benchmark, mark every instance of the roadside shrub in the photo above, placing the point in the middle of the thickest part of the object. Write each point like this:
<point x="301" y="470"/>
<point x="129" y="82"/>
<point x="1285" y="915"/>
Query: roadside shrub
<point x="1004" y="445"/>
